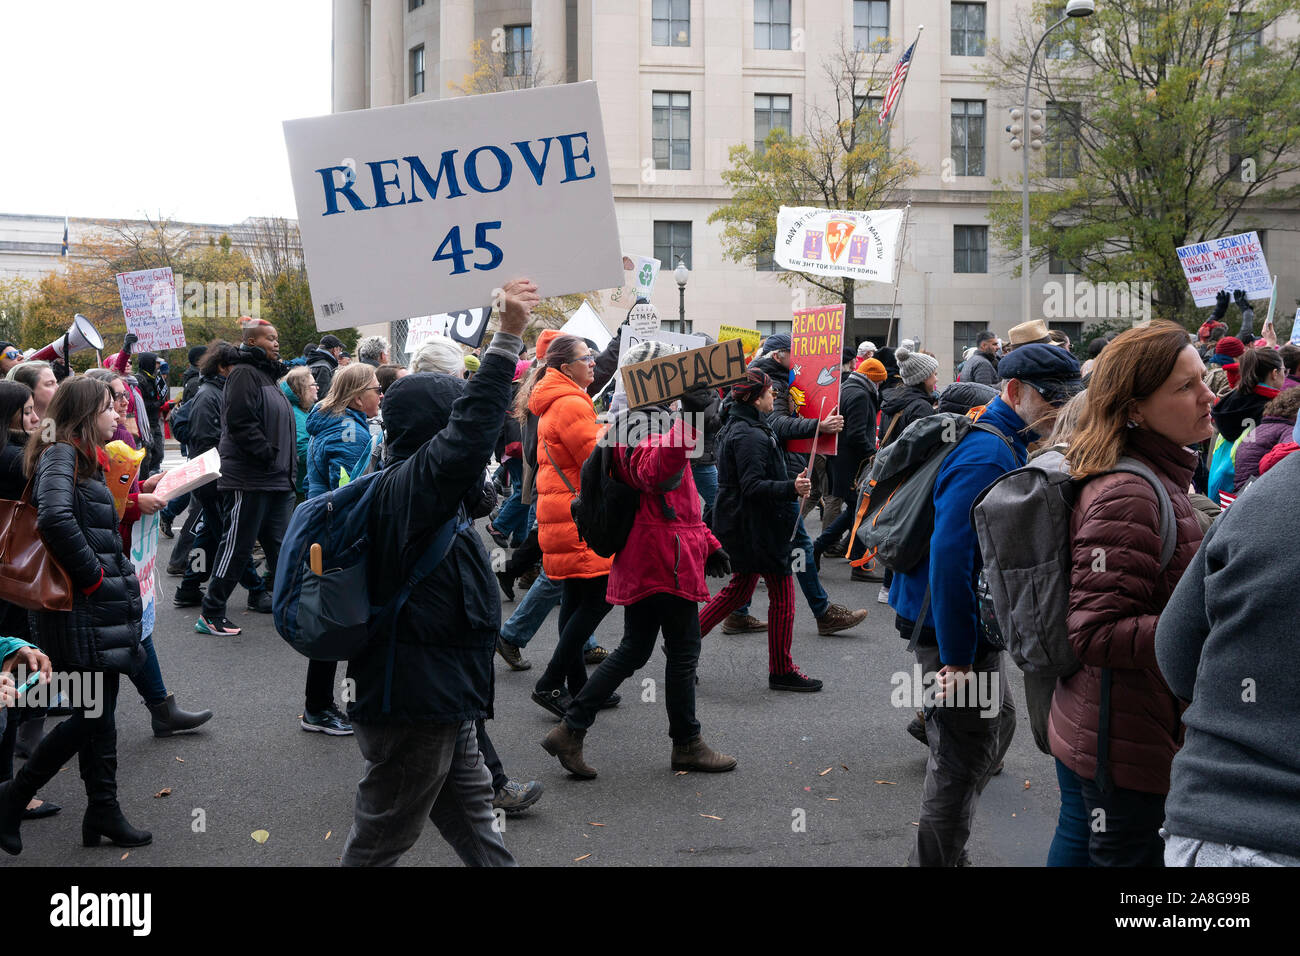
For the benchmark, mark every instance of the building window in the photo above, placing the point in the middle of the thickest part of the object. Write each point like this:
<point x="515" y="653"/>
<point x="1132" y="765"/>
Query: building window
<point x="414" y="4"/>
<point x="1059" y="46"/>
<point x="1061" y="144"/>
<point x="771" y="111"/>
<point x="671" y="23"/>
<point x="1236" y="141"/>
<point x="870" y="23"/>
<point x="671" y="121"/>
<point x="682" y="326"/>
<point x="1072" y="329"/>
<point x="519" y="50"/>
<point x="1060" y="266"/>
<point x="968" y="29"/>
<point x="1245" y="41"/>
<point x="965" y="335"/>
<point x="417" y="70"/>
<point x="868" y="107"/>
<point x="771" y="24"/>
<point x="673" y="241"/>
<point x="970" y="248"/>
<point x="968" y="137"/>
<point x="774" y="327"/>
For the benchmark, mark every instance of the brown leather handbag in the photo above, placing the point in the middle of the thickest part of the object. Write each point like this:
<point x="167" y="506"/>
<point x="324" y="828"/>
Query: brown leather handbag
<point x="29" y="575"/>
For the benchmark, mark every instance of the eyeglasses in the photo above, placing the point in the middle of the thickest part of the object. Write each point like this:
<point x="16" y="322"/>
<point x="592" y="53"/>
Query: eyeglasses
<point x="119" y="396"/>
<point x="13" y="354"/>
<point x="589" y="359"/>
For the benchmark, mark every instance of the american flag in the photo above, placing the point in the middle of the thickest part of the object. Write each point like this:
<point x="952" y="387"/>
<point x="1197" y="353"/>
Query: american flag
<point x="896" y="82"/>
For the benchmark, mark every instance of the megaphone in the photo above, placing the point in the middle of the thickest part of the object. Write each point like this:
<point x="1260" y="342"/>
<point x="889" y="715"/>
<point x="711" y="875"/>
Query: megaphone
<point x="81" y="335"/>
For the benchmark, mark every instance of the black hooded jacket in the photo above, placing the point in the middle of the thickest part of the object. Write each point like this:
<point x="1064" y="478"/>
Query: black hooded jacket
<point x="755" y="512"/>
<point x="1235" y="409"/>
<point x="440" y="432"/>
<point x="859" y="404"/>
<point x="706" y="403"/>
<point x="205" y="415"/>
<point x="259" y="437"/>
<point x="909" y="402"/>
<point x="785" y="423"/>
<point x="322" y="364"/>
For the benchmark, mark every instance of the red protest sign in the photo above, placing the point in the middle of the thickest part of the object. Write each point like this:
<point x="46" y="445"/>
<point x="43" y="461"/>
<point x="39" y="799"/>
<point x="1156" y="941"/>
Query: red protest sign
<point x="816" y="354"/>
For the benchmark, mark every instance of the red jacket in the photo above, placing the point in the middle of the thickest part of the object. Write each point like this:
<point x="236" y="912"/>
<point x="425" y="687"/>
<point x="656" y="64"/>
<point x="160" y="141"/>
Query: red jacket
<point x="663" y="555"/>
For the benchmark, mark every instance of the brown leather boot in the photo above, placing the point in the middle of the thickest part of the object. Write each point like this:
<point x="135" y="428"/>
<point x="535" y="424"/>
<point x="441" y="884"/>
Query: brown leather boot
<point x="743" y="624"/>
<point x="566" y="744"/>
<point x="695" y="754"/>
<point x="838" y="618"/>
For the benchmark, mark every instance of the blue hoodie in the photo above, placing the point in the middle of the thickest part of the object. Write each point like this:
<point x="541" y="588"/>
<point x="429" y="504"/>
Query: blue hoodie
<point x="336" y="441"/>
<point x="954" y="562"/>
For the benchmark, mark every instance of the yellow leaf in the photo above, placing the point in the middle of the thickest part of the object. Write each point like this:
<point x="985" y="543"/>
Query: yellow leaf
<point x="327" y="834"/>
<point x="261" y="836"/>
<point x="579" y="859"/>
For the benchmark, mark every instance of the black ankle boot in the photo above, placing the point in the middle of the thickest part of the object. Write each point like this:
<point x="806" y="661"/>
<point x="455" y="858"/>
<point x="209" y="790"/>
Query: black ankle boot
<point x="12" y="805"/>
<point x="103" y="814"/>
<point x="106" y="820"/>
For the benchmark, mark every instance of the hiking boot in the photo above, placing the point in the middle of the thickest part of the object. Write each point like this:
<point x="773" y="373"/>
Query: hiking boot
<point x="793" y="681"/>
<point x="595" y="655"/>
<point x="882" y="596"/>
<point x="695" y="754"/>
<point x="328" y="721"/>
<point x="514" y="797"/>
<point x="867" y="574"/>
<point x="259" y="601"/>
<point x="566" y="744"/>
<point x="217" y="627"/>
<point x="916" y="727"/>
<point x="743" y="624"/>
<point x="510" y="654"/>
<point x="839" y="618"/>
<point x="188" y="598"/>
<point x="556" y="701"/>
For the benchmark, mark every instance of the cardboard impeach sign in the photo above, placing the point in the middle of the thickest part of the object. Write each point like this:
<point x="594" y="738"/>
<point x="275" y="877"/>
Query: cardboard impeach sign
<point x="431" y="206"/>
<point x="662" y="379"/>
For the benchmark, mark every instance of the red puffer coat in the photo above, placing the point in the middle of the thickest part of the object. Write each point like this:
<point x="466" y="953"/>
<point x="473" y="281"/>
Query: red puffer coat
<point x="568" y="429"/>
<point x="1112" y="621"/>
<point x="663" y="555"/>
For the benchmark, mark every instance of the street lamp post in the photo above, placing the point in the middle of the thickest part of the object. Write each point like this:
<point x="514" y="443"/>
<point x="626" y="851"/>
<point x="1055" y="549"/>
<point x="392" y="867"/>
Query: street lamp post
<point x="1073" y="9"/>
<point x="681" y="274"/>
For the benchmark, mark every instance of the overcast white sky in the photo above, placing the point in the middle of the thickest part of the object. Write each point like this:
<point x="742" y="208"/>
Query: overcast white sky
<point x="120" y="107"/>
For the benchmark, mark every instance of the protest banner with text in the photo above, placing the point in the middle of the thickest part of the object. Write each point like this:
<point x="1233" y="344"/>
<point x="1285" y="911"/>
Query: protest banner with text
<point x="1233" y="262"/>
<point x="750" y="338"/>
<point x="439" y="203"/>
<point x="151" y="310"/>
<point x="662" y="379"/>
<point x="817" y="350"/>
<point x="834" y="242"/>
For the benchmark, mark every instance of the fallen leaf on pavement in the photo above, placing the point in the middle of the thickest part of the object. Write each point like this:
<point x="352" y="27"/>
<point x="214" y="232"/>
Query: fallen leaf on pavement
<point x="681" y="773"/>
<point x="710" y="816"/>
<point x="180" y="760"/>
<point x="579" y="859"/>
<point x="125" y="855"/>
<point x="825" y="772"/>
<point x="597" y="824"/>
<point x="164" y="792"/>
<point x="261" y="836"/>
<point x="842" y="765"/>
<point x="1026" y="784"/>
<point x="832" y="798"/>
<point x="915" y="824"/>
<point x="327" y="834"/>
<point x="887" y="783"/>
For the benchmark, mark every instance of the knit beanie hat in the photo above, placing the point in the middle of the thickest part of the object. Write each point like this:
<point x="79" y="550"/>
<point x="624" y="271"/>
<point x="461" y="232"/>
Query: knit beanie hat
<point x="914" y="367"/>
<point x="756" y="381"/>
<point x="1231" y="346"/>
<point x="544" y="340"/>
<point x="874" y="369"/>
<point x="643" y="352"/>
<point x="472" y="363"/>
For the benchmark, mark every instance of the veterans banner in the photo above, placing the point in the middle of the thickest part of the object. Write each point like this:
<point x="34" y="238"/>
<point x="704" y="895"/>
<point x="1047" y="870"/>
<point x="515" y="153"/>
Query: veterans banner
<point x="833" y="242"/>
<point x="816" y="353"/>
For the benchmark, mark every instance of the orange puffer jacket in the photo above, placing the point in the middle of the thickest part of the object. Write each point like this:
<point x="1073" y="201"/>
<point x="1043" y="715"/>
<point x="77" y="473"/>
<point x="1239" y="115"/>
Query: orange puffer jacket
<point x="568" y="429"/>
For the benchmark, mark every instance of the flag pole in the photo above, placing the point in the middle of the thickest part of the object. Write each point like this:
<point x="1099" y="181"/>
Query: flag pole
<point x="898" y="269"/>
<point x="889" y="123"/>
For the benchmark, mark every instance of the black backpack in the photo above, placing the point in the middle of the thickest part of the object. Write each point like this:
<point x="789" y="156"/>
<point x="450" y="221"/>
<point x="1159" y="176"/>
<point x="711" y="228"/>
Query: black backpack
<point x="605" y="510"/>
<point x="180" y="422"/>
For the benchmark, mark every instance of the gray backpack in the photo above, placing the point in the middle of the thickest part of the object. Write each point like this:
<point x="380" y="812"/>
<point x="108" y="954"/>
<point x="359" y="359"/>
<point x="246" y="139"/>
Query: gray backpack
<point x="895" y="515"/>
<point x="1023" y="524"/>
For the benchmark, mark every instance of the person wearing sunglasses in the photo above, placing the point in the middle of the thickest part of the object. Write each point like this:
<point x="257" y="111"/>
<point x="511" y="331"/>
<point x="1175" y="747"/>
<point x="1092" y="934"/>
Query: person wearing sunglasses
<point x="10" y="355"/>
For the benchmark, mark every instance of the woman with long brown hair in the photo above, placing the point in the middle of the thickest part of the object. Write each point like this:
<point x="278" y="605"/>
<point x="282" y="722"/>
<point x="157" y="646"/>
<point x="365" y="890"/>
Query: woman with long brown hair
<point x="1114" y="723"/>
<point x="99" y="639"/>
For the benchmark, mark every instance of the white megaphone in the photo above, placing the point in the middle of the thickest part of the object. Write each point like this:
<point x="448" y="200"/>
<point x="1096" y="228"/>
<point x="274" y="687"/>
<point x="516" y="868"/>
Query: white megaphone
<point x="81" y="335"/>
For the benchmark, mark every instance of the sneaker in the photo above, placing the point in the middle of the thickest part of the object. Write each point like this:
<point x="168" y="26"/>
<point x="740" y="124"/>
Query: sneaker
<point x="595" y="655"/>
<point x="882" y="596"/>
<point x="186" y="598"/>
<point x="259" y="601"/>
<point x="793" y="681"/>
<point x="165" y="526"/>
<point x="839" y="618"/>
<point x="868" y="574"/>
<point x="743" y="624"/>
<point x="514" y="797"/>
<point x="916" y="727"/>
<point x="556" y="701"/>
<point x="328" y="721"/>
<point x="510" y="654"/>
<point x="217" y="627"/>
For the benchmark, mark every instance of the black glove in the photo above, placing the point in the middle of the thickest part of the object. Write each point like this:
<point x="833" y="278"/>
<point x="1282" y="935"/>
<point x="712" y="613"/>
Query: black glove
<point x="129" y="340"/>
<point x="1220" y="305"/>
<point x="1239" y="297"/>
<point x="718" y="564"/>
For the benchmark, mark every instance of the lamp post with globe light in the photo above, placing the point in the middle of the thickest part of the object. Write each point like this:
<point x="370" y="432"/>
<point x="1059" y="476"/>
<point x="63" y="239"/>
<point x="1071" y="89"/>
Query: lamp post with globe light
<point x="1073" y="9"/>
<point x="681" y="274"/>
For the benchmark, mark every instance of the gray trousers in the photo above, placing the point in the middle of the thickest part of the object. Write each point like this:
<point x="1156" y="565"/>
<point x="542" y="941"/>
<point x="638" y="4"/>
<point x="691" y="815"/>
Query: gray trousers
<point x="416" y="772"/>
<point x="965" y="747"/>
<point x="1186" y="851"/>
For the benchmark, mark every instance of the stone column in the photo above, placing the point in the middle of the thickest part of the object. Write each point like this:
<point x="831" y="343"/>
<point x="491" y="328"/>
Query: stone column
<point x="550" y="31"/>
<point x="455" y="38"/>
<point x="388" y="53"/>
<point x="349" y="91"/>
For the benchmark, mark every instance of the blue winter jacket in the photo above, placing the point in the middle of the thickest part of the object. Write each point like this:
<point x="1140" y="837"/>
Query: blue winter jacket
<point x="954" y="562"/>
<point x="336" y="441"/>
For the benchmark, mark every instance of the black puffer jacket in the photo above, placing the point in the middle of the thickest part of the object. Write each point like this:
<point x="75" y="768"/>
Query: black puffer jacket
<point x="785" y="423"/>
<point x="205" y="415"/>
<point x="79" y="525"/>
<point x="13" y="619"/>
<point x="706" y="403"/>
<point x="859" y="404"/>
<point x="259" y="436"/>
<point x="191" y="379"/>
<point x="912" y="401"/>
<point x="322" y="364"/>
<point x="755" y="510"/>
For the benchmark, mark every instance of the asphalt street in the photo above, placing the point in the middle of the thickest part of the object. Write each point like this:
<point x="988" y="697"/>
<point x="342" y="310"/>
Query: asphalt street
<point x="839" y="761"/>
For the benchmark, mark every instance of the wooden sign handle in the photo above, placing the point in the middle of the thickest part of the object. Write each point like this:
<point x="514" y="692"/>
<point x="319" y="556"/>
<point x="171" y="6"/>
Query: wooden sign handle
<point x="317" y="560"/>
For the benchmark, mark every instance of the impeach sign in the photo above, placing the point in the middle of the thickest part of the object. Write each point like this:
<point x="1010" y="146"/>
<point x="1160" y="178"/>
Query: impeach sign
<point x="671" y="376"/>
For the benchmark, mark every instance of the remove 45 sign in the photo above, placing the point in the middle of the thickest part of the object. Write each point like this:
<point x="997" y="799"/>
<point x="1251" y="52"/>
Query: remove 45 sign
<point x="447" y="199"/>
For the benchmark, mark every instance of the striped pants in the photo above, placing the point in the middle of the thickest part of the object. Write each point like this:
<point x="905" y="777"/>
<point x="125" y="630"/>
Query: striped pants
<point x="780" y="613"/>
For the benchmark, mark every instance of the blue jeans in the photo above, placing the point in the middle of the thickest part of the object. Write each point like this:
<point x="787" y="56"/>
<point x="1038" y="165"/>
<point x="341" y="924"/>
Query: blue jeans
<point x="512" y="519"/>
<point x="541" y="598"/>
<point x="148" y="679"/>
<point x="706" y="483"/>
<point x="1070" y="844"/>
<point x="811" y="585"/>
<point x="176" y="506"/>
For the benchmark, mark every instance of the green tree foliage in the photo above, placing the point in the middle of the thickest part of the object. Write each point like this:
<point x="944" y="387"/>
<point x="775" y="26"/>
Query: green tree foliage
<point x="1183" y="123"/>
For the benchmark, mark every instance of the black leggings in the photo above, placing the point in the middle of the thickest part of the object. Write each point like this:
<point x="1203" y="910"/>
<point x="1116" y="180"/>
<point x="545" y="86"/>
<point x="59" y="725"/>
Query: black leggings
<point x="582" y="608"/>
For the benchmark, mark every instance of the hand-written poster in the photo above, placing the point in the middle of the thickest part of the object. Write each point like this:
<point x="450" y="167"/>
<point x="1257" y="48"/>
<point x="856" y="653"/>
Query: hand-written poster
<point x="151" y="310"/>
<point x="144" y="558"/>
<point x="817" y="351"/>
<point x="1232" y="262"/>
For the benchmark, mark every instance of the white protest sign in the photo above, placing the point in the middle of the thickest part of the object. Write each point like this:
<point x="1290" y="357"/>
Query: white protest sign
<point x="1233" y="262"/>
<point x="452" y="199"/>
<point x="466" y="325"/>
<point x="644" y="319"/>
<point x="144" y="558"/>
<point x="151" y="310"/>
<point x="832" y="242"/>
<point x="1295" y="329"/>
<point x="422" y="326"/>
<point x="644" y="271"/>
<point x="586" y="324"/>
<point x="630" y="337"/>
